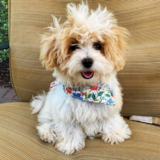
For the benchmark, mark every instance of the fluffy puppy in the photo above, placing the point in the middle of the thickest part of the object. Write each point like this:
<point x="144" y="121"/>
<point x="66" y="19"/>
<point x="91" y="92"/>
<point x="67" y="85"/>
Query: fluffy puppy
<point x="85" y="53"/>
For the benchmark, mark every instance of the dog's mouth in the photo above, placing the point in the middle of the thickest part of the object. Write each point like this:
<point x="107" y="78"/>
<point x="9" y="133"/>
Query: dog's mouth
<point x="87" y="75"/>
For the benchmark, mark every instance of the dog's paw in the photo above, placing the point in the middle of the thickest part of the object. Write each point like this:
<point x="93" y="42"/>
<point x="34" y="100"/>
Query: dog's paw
<point x="118" y="136"/>
<point x="46" y="133"/>
<point x="69" y="148"/>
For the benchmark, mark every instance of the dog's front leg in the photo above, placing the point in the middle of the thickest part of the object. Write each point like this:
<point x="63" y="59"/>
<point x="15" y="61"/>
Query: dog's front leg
<point x="115" y="130"/>
<point x="46" y="132"/>
<point x="70" y="137"/>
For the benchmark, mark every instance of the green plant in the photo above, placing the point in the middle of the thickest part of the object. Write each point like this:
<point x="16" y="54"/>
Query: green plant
<point x="4" y="54"/>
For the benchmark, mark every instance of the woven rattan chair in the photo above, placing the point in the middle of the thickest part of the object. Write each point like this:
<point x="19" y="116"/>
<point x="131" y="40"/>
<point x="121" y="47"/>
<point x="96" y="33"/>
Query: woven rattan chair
<point x="140" y="80"/>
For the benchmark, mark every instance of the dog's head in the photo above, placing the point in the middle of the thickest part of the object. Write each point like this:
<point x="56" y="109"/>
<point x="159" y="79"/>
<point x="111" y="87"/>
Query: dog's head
<point x="87" y="48"/>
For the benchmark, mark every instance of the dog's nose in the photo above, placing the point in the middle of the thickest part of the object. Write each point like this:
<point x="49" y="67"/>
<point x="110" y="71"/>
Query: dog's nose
<point x="87" y="62"/>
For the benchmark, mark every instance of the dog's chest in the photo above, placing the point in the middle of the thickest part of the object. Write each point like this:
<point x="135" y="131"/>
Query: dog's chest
<point x="87" y="112"/>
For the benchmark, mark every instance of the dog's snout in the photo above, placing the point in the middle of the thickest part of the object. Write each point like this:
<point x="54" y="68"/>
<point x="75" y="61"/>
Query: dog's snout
<point x="87" y="62"/>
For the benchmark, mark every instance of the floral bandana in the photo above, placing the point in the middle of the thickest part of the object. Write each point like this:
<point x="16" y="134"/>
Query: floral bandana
<point x="93" y="94"/>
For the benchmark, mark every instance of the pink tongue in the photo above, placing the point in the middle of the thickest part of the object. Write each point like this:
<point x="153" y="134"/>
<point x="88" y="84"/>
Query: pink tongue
<point x="87" y="74"/>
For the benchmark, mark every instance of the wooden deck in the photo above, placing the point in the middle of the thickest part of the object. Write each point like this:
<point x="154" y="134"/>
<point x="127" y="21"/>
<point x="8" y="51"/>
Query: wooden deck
<point x="8" y="95"/>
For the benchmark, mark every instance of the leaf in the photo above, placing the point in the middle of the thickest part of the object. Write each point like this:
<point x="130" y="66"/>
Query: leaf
<point x="100" y="93"/>
<point x="89" y="91"/>
<point x="93" y="96"/>
<point x="4" y="54"/>
<point x="107" y="95"/>
<point x="89" y="96"/>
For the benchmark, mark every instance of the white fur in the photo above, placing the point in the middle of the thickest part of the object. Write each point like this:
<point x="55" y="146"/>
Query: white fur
<point x="65" y="121"/>
<point x="38" y="102"/>
<point x="97" y="20"/>
<point x="72" y="120"/>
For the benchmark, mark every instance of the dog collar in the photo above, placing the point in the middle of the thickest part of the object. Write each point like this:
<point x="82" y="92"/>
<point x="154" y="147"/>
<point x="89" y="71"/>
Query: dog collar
<point x="92" y="94"/>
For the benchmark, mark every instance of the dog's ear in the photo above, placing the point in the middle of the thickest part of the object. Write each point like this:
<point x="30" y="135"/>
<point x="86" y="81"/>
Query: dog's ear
<point x="48" y="51"/>
<point x="115" y="47"/>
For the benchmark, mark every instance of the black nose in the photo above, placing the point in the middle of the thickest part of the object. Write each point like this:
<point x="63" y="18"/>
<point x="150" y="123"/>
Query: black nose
<point x="87" y="62"/>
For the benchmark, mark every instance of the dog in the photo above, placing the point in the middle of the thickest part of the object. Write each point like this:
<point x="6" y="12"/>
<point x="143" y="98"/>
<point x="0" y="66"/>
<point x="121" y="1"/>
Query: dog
<point x="85" y="53"/>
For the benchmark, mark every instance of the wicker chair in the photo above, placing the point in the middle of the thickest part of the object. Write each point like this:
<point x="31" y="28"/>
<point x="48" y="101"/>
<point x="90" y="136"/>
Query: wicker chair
<point x="140" y="80"/>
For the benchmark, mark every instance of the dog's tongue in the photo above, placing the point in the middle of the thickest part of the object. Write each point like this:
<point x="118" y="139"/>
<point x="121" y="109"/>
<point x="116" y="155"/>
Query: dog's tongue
<point x="87" y="74"/>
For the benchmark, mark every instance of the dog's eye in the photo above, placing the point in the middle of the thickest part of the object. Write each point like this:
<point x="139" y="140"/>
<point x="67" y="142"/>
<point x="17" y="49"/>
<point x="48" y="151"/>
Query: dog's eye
<point x="97" y="46"/>
<point x="73" y="48"/>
